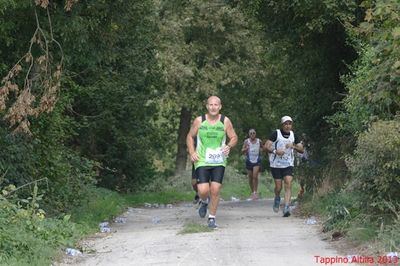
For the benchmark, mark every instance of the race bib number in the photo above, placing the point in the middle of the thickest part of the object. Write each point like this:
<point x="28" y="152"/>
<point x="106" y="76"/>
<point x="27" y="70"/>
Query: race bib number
<point x="286" y="159"/>
<point x="286" y="156"/>
<point x="214" y="156"/>
<point x="281" y="162"/>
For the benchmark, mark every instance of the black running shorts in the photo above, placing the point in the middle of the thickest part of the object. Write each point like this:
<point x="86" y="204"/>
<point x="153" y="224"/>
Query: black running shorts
<point x="205" y="174"/>
<point x="280" y="173"/>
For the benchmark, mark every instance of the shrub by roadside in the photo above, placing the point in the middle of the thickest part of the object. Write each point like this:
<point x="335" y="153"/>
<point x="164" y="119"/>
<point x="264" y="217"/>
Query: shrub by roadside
<point x="367" y="208"/>
<point x="27" y="237"/>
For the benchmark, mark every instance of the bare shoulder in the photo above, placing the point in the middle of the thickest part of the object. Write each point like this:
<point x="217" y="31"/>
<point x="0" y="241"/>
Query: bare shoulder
<point x="198" y="119"/>
<point x="195" y="126"/>
<point x="227" y="121"/>
<point x="229" y="127"/>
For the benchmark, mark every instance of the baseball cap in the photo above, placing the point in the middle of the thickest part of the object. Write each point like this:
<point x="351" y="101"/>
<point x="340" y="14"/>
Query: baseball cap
<point x="286" y="118"/>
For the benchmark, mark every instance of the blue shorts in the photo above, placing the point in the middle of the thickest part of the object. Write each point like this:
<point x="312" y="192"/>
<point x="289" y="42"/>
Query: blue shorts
<point x="250" y="165"/>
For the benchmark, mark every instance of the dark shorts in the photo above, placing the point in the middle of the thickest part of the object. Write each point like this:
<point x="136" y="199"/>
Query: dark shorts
<point x="205" y="174"/>
<point x="193" y="172"/>
<point x="280" y="173"/>
<point x="250" y="165"/>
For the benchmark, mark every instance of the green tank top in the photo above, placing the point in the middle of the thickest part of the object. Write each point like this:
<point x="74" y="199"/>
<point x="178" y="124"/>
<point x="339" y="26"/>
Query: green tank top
<point x="210" y="140"/>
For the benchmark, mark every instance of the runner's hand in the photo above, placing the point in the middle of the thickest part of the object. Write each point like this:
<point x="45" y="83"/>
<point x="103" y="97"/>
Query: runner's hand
<point x="290" y="146"/>
<point x="226" y="149"/>
<point x="280" y="152"/>
<point x="245" y="148"/>
<point x="194" y="157"/>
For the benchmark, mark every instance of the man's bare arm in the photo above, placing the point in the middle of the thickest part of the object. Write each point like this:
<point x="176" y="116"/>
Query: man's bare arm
<point x="297" y="147"/>
<point x="230" y="132"/>
<point x="233" y="139"/>
<point x="189" y="139"/>
<point x="268" y="146"/>
<point x="245" y="147"/>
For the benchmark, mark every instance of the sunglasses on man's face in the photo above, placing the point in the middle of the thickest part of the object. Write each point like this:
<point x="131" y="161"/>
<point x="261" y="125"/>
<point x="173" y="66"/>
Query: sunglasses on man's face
<point x="252" y="133"/>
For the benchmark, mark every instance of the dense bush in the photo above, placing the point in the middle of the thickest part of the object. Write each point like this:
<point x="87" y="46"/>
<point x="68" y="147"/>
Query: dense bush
<point x="29" y="237"/>
<point x="376" y="164"/>
<point x="17" y="160"/>
<point x="64" y="173"/>
<point x="26" y="236"/>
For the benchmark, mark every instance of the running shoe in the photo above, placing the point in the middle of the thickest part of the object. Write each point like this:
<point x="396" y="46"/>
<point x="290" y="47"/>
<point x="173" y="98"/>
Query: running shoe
<point x="286" y="211"/>
<point x="203" y="209"/>
<point x="211" y="223"/>
<point x="251" y="197"/>
<point x="277" y="201"/>
<point x="254" y="196"/>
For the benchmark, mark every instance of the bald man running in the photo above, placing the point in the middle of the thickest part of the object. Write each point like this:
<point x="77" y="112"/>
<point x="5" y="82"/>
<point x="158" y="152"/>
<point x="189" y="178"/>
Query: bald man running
<point x="210" y="154"/>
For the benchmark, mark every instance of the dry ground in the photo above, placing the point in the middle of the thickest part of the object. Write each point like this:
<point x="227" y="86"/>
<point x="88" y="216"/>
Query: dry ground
<point x="249" y="233"/>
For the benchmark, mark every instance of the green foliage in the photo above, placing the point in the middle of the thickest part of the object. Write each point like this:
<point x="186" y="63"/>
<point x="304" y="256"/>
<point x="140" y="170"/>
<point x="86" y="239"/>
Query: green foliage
<point x="68" y="177"/>
<point x="348" y="212"/>
<point x="376" y="163"/>
<point x="10" y="11"/>
<point x="339" y="215"/>
<point x="363" y="229"/>
<point x="337" y="210"/>
<point x="17" y="159"/>
<point x="389" y="235"/>
<point x="382" y="32"/>
<point x="109" y="77"/>
<point x="44" y="156"/>
<point x="367" y="208"/>
<point x="206" y="48"/>
<point x="27" y="238"/>
<point x="120" y="137"/>
<point x="307" y="52"/>
<point x="98" y="205"/>
<point x="68" y="174"/>
<point x="209" y="48"/>
<point x="129" y="66"/>
<point x="373" y="84"/>
<point x="163" y="196"/>
<point x="307" y="16"/>
<point x="112" y="95"/>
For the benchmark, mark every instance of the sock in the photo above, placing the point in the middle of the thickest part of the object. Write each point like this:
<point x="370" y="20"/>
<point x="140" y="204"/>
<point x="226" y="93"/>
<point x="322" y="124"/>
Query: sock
<point x="211" y="216"/>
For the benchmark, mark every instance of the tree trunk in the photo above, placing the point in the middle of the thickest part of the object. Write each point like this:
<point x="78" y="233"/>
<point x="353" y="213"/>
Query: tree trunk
<point x="184" y="126"/>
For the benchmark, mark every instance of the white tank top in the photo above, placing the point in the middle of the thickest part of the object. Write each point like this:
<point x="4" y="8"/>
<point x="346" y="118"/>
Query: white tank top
<point x="253" y="152"/>
<point x="287" y="159"/>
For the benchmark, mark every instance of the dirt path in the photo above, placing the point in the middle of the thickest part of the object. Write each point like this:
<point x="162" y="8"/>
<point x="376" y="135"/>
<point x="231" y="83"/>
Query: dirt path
<point x="249" y="233"/>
